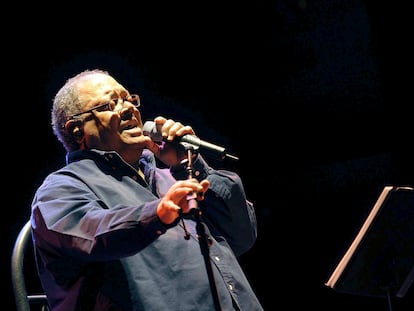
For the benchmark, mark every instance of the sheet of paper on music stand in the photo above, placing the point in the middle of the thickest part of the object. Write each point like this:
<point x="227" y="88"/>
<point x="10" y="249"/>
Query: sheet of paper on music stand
<point x="380" y="260"/>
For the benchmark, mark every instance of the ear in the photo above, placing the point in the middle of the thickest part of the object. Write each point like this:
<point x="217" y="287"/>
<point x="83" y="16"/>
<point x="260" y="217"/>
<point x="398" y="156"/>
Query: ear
<point x="75" y="128"/>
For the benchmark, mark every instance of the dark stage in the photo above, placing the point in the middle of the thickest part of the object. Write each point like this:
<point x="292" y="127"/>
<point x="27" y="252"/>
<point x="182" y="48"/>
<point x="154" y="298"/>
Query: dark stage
<point x="313" y="97"/>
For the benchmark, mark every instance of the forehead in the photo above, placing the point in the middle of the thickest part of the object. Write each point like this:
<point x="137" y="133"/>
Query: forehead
<point x="97" y="86"/>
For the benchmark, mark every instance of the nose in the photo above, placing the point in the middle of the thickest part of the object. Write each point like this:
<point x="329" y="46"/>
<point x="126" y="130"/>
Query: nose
<point x="126" y="113"/>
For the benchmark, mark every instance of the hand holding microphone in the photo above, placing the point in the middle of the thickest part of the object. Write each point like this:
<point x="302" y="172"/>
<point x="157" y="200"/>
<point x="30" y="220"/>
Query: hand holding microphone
<point x="154" y="131"/>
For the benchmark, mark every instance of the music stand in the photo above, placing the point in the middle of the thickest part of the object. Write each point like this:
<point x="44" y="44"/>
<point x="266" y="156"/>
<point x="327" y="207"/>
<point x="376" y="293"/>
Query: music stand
<point x="380" y="260"/>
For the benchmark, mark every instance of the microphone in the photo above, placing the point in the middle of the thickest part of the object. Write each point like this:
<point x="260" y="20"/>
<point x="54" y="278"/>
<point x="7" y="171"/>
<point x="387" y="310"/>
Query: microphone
<point x="153" y="130"/>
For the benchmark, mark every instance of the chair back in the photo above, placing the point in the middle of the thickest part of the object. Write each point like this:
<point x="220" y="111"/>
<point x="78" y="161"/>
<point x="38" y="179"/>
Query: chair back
<point x="24" y="301"/>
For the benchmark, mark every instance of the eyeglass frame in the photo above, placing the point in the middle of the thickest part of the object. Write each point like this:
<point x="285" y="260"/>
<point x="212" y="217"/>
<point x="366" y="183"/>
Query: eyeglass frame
<point x="130" y="98"/>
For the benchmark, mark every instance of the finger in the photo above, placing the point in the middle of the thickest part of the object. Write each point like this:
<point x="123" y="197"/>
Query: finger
<point x="166" y="127"/>
<point x="172" y="130"/>
<point x="160" y="120"/>
<point x="180" y="193"/>
<point x="205" y="184"/>
<point x="184" y="130"/>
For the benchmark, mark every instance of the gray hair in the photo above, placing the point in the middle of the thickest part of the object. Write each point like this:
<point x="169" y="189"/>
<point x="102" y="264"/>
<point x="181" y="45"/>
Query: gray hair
<point x="67" y="102"/>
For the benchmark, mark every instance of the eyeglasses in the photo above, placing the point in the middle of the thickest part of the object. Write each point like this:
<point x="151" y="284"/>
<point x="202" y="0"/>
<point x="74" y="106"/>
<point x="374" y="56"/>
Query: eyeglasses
<point x="110" y="106"/>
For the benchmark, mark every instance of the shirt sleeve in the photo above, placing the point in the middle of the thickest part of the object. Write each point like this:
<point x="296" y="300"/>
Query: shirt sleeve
<point x="67" y="215"/>
<point x="225" y="208"/>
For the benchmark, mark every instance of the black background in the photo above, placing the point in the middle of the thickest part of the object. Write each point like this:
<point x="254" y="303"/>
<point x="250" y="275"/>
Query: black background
<point x="313" y="97"/>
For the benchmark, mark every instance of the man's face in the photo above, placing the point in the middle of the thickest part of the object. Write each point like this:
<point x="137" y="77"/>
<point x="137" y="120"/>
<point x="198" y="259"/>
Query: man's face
<point x="115" y="124"/>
